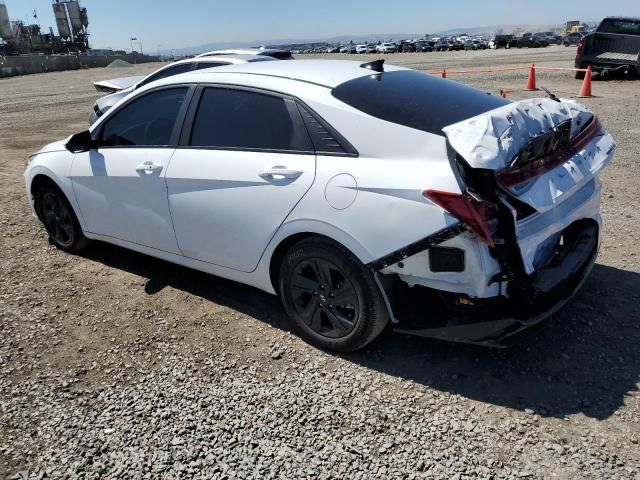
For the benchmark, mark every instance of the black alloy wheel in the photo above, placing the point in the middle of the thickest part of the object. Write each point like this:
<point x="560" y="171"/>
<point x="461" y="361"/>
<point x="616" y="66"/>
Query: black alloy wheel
<point x="59" y="220"/>
<point x="324" y="298"/>
<point x="332" y="299"/>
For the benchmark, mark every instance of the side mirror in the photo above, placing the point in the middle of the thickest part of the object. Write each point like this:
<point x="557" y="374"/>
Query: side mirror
<point x="80" y="142"/>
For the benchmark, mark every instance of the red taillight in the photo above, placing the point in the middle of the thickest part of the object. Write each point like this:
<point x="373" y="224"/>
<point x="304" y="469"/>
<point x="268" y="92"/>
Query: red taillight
<point x="580" y="46"/>
<point x="467" y="209"/>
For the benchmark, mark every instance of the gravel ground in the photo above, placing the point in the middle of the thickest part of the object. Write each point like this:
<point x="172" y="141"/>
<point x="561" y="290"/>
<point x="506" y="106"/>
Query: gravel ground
<point x="116" y="365"/>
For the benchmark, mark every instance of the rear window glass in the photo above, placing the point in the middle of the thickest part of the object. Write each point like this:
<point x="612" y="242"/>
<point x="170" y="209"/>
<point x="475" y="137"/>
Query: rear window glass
<point x="415" y="99"/>
<point x="621" y="26"/>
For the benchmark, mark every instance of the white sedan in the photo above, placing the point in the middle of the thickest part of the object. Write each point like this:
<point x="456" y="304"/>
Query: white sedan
<point x="119" y="88"/>
<point x="365" y="196"/>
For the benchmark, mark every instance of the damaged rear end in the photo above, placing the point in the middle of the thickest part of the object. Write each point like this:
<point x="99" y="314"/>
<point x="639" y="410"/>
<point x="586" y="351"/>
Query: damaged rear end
<point x="529" y="213"/>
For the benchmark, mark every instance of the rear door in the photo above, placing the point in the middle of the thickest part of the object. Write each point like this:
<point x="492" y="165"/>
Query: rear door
<point x="244" y="161"/>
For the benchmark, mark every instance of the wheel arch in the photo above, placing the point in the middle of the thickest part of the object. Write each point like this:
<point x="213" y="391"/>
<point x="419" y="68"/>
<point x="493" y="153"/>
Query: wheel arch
<point x="287" y="241"/>
<point x="37" y="182"/>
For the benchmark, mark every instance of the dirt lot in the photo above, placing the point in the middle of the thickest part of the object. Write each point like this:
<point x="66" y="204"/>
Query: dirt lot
<point x="114" y="364"/>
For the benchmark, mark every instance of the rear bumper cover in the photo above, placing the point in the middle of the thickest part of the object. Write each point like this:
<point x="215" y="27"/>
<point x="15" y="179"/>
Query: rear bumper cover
<point x="501" y="320"/>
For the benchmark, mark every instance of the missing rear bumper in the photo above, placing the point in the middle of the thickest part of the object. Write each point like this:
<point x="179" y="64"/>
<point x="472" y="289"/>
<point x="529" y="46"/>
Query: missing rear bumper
<point x="501" y="320"/>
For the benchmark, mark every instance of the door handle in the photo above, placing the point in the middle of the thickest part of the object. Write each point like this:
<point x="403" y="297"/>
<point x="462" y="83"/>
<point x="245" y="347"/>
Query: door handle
<point x="148" y="167"/>
<point x="278" y="173"/>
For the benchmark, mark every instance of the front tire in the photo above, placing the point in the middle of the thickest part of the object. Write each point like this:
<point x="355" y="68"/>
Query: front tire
<point x="59" y="220"/>
<point x="330" y="296"/>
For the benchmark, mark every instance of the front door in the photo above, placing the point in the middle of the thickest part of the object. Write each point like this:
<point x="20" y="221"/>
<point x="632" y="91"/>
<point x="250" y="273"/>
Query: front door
<point x="120" y="186"/>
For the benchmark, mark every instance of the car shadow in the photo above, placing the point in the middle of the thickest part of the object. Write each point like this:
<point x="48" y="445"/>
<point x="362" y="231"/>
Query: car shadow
<point x="584" y="360"/>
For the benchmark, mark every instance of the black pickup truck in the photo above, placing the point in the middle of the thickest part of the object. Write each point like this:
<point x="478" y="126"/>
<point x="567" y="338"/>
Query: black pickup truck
<point x="614" y="47"/>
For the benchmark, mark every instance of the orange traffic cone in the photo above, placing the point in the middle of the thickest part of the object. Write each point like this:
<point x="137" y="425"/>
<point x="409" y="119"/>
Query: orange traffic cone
<point x="531" y="81"/>
<point x="444" y="73"/>
<point x="585" y="90"/>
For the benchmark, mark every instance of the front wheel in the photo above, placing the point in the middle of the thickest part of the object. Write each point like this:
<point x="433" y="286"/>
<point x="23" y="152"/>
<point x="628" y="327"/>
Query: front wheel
<point x="331" y="297"/>
<point x="59" y="220"/>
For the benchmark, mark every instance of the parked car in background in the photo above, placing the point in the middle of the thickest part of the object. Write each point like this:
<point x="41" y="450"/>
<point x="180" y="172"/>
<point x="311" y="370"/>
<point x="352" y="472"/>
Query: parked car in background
<point x="122" y="87"/>
<point x="362" y="48"/>
<point x="480" y="44"/>
<point x="441" y="45"/>
<point x="386" y="48"/>
<point x="469" y="45"/>
<point x="407" y="47"/>
<point x="348" y="49"/>
<point x="528" y="40"/>
<point x="572" y="39"/>
<point x="456" y="44"/>
<point x="554" y="38"/>
<point x="614" y="47"/>
<point x="445" y="45"/>
<point x="503" y="41"/>
<point x="271" y="173"/>
<point x="371" y="48"/>
<point x="424" y="47"/>
<point x="542" y="39"/>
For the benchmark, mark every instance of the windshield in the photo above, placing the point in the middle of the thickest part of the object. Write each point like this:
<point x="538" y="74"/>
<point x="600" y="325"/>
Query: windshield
<point x="620" y="26"/>
<point x="415" y="99"/>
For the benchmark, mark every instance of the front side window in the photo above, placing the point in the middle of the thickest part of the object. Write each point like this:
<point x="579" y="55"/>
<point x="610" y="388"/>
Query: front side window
<point x="147" y="121"/>
<point x="246" y="120"/>
<point x="168" y="72"/>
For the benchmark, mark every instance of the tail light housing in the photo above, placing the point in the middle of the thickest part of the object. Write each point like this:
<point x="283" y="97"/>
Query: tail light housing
<point x="480" y="216"/>
<point x="514" y="176"/>
<point x="580" y="46"/>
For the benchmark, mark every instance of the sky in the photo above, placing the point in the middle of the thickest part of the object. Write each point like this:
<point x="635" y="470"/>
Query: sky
<point x="178" y="24"/>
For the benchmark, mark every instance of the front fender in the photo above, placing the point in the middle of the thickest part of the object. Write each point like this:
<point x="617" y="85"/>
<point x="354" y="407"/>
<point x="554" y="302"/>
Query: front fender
<point x="56" y="166"/>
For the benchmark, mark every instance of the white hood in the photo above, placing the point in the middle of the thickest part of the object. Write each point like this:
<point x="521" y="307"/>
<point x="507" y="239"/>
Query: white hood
<point x="57" y="146"/>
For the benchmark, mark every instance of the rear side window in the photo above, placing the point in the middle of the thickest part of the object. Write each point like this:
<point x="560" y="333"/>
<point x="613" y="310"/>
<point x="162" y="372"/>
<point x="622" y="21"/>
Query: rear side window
<point x="147" y="121"/>
<point x="168" y="72"/>
<point x="246" y="120"/>
<point x="415" y="99"/>
<point x="620" y="26"/>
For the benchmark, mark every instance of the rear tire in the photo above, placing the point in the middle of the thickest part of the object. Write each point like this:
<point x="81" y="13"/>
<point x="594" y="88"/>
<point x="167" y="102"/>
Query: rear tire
<point x="59" y="220"/>
<point x="580" y="75"/>
<point x="332" y="299"/>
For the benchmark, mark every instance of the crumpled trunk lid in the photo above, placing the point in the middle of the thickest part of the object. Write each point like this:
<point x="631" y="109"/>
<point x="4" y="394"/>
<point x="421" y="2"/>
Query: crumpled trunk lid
<point x="495" y="140"/>
<point x="543" y="153"/>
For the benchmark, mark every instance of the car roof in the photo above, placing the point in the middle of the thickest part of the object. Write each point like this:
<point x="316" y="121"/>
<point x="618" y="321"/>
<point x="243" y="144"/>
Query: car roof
<point x="324" y="73"/>
<point x="243" y="51"/>
<point x="238" y="58"/>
